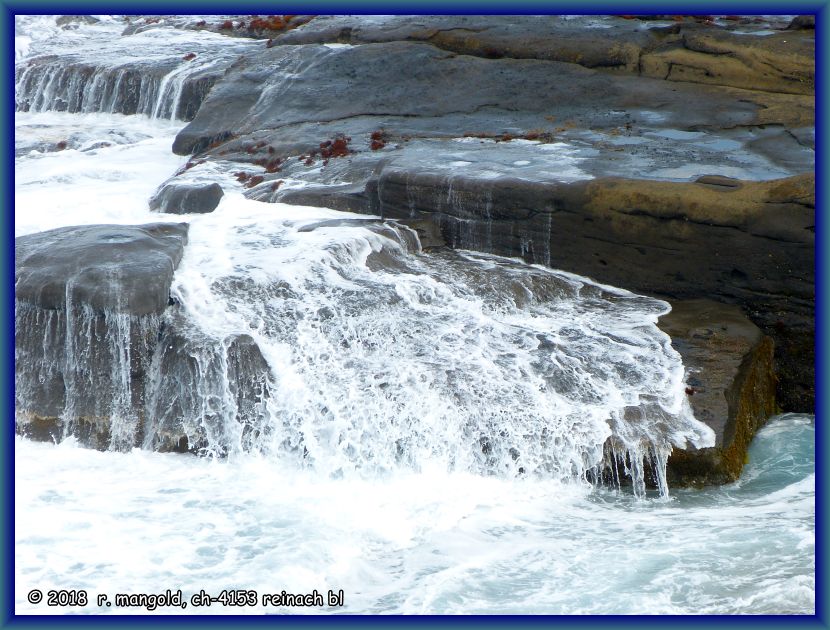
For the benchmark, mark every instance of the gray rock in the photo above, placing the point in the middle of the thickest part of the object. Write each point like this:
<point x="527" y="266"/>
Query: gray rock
<point x="423" y="83"/>
<point x="86" y="85"/>
<point x="180" y="198"/>
<point x="205" y="391"/>
<point x="688" y="51"/>
<point x="802" y="22"/>
<point x="87" y="306"/>
<point x="73" y="21"/>
<point x="119" y="268"/>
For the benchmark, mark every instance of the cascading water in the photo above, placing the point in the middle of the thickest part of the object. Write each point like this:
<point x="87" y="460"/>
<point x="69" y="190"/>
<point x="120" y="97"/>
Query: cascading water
<point x="415" y="428"/>
<point x="382" y="357"/>
<point x="161" y="73"/>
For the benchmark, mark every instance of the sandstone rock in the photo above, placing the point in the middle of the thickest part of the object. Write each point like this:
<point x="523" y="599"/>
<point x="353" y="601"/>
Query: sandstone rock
<point x="729" y="367"/>
<point x="777" y="63"/>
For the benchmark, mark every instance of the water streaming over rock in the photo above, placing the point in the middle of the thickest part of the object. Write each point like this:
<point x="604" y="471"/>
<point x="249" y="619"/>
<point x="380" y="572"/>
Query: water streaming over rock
<point x="382" y="356"/>
<point x="161" y="73"/>
<point x="338" y="343"/>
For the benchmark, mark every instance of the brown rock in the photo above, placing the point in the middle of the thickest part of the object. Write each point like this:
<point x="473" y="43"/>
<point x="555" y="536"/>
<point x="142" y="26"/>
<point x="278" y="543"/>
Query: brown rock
<point x="730" y="372"/>
<point x="778" y="63"/>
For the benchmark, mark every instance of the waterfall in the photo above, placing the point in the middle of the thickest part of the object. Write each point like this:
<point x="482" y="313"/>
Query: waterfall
<point x="82" y="366"/>
<point x="155" y="91"/>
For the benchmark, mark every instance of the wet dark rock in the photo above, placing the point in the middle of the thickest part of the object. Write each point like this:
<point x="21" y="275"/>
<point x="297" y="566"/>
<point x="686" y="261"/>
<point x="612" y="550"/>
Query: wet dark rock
<point x="181" y="198"/>
<point x="84" y="85"/>
<point x="689" y="51"/>
<point x="422" y="83"/>
<point x="80" y="372"/>
<point x="802" y="22"/>
<point x="87" y="306"/>
<point x="119" y="268"/>
<point x="721" y="237"/>
<point x="730" y="363"/>
<point x="73" y="21"/>
<point x="310" y="227"/>
<point x="194" y="378"/>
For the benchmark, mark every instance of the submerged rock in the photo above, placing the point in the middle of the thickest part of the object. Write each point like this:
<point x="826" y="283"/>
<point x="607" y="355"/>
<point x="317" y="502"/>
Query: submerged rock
<point x="731" y="386"/>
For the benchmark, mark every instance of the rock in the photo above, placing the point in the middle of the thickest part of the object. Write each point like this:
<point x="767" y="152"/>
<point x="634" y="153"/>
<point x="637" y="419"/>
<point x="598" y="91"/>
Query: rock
<point x="73" y="21"/>
<point x="142" y="74"/>
<point x="87" y="306"/>
<point x="205" y="392"/>
<point x="751" y="244"/>
<point x="687" y="51"/>
<point x="518" y="36"/>
<point x="777" y="63"/>
<point x="118" y="268"/>
<point x="729" y="368"/>
<point x="178" y="198"/>
<point x="423" y="84"/>
<point x="802" y="22"/>
<point x="571" y="145"/>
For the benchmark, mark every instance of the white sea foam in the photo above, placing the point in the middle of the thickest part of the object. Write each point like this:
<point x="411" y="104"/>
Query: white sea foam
<point x="432" y="542"/>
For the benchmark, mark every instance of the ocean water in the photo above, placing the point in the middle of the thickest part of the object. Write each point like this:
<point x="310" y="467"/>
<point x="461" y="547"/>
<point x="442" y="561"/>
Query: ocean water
<point x="433" y="418"/>
<point x="428" y="542"/>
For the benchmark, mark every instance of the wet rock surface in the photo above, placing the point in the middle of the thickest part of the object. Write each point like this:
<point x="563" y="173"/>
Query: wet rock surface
<point x="422" y="83"/>
<point x="731" y="386"/>
<point x="178" y="198"/>
<point x="87" y="307"/>
<point x="118" y="268"/>
<point x="656" y="153"/>
<point x="188" y="372"/>
<point x="700" y="51"/>
<point x="745" y="243"/>
<point x="669" y="155"/>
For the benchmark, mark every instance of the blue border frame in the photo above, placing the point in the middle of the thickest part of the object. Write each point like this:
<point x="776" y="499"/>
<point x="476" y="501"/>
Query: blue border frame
<point x="9" y="8"/>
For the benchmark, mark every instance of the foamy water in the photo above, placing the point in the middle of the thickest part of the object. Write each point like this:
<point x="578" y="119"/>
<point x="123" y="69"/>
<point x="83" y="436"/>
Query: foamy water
<point x="433" y="542"/>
